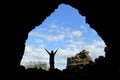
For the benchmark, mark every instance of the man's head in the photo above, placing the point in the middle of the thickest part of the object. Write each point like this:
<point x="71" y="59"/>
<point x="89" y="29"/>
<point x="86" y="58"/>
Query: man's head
<point x="51" y="51"/>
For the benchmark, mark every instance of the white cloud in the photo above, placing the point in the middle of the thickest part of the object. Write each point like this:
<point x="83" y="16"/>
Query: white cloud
<point x="61" y="63"/>
<point x="96" y="49"/>
<point x="36" y="34"/>
<point x="54" y="37"/>
<point x="98" y="43"/>
<point x="42" y="45"/>
<point x="41" y="28"/>
<point x="50" y="31"/>
<point x="28" y="48"/>
<point x="48" y="37"/>
<point x="53" y="26"/>
<point x="64" y="53"/>
<point x="38" y="40"/>
<point x="76" y="33"/>
<point x="73" y="33"/>
<point x="66" y="31"/>
<point x="84" y="28"/>
<point x="34" y="54"/>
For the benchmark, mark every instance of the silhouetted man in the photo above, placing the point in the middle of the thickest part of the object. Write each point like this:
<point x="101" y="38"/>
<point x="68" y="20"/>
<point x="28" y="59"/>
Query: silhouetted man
<point x="51" y="59"/>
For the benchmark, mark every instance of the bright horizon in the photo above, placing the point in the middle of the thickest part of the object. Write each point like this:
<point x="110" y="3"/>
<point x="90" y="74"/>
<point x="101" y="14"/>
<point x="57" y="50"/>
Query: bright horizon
<point x="66" y="30"/>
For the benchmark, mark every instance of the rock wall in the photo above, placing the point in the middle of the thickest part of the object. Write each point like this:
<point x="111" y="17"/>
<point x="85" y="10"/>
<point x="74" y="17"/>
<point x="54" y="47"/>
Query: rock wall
<point x="79" y="60"/>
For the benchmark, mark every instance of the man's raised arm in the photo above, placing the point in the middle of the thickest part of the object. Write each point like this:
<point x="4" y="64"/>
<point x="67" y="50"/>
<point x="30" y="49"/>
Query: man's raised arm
<point x="55" y="51"/>
<point x="47" y="51"/>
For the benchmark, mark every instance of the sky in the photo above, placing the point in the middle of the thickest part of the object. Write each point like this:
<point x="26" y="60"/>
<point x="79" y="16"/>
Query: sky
<point x="66" y="30"/>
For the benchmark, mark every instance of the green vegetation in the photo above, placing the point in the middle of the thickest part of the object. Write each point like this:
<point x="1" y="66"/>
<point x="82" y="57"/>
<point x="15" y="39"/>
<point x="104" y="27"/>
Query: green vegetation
<point x="37" y="65"/>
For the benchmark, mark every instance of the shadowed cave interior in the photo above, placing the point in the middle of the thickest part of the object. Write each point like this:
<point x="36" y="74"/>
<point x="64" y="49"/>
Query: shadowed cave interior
<point x="96" y="16"/>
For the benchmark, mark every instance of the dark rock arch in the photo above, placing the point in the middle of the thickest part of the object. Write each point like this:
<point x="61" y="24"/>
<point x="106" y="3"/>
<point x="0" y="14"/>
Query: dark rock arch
<point x="25" y="16"/>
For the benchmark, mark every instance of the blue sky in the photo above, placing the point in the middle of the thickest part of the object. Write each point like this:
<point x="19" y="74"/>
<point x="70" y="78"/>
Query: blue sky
<point x="65" y="29"/>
